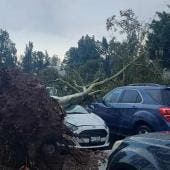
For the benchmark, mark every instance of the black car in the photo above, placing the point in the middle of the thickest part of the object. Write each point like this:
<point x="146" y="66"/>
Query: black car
<point x="135" y="109"/>
<point x="142" y="152"/>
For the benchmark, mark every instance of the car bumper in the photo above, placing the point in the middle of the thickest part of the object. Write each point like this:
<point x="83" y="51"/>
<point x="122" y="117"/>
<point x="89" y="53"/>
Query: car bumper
<point x="165" y="127"/>
<point x="91" y="137"/>
<point x="92" y="147"/>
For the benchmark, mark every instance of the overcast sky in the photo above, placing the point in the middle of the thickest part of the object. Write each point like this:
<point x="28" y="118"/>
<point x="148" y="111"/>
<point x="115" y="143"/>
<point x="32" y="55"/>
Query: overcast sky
<point x="56" y="25"/>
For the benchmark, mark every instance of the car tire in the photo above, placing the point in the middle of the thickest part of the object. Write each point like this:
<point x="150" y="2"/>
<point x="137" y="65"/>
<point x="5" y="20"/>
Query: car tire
<point x="142" y="129"/>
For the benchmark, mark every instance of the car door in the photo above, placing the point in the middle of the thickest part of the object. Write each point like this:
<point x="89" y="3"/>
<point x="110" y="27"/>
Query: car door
<point x="130" y="102"/>
<point x="109" y="109"/>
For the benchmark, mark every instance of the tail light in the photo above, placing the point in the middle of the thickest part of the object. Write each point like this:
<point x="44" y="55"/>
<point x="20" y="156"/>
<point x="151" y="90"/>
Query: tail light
<point x="165" y="112"/>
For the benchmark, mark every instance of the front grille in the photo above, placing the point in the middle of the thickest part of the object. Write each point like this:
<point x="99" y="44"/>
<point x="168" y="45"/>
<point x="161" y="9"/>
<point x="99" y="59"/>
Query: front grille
<point x="92" y="144"/>
<point x="92" y="137"/>
<point x="93" y="133"/>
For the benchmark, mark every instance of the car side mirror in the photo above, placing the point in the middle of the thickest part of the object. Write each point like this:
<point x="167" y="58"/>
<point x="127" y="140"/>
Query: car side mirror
<point x="104" y="101"/>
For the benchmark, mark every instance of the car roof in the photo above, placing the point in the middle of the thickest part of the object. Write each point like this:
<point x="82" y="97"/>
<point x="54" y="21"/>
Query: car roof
<point x="161" y="138"/>
<point x="145" y="87"/>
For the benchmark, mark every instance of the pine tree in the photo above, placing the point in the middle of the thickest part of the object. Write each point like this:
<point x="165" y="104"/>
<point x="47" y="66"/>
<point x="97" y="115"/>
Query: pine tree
<point x="7" y="50"/>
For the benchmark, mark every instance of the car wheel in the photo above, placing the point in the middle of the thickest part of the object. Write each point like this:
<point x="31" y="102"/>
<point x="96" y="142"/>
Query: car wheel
<point x="142" y="129"/>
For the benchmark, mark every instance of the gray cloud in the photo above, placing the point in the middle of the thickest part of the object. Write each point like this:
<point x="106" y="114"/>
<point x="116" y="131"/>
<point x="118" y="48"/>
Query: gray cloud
<point x="56" y="25"/>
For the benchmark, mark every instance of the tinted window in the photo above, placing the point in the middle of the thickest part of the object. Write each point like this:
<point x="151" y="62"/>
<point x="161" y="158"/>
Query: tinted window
<point x="131" y="96"/>
<point x="160" y="96"/>
<point x="113" y="96"/>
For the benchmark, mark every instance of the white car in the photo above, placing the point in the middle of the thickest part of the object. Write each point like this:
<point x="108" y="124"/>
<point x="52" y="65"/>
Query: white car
<point x="89" y="130"/>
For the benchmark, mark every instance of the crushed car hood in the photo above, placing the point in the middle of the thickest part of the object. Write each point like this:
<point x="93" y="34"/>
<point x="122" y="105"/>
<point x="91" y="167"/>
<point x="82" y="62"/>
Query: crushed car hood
<point x="89" y="119"/>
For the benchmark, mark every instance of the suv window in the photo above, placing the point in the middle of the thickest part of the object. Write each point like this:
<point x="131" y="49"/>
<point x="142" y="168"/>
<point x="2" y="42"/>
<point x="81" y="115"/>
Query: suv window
<point x="113" y="96"/>
<point x="131" y="96"/>
<point x="160" y="96"/>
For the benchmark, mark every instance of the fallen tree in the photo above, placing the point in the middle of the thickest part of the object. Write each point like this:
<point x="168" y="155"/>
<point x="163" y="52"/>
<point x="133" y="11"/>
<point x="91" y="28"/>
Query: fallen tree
<point x="31" y="126"/>
<point x="135" y="36"/>
<point x="82" y="91"/>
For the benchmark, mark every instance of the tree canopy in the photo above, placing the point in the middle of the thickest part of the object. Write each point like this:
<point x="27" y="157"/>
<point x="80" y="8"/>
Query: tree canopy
<point x="159" y="39"/>
<point x="85" y="58"/>
<point x="8" y="51"/>
<point x="34" y="61"/>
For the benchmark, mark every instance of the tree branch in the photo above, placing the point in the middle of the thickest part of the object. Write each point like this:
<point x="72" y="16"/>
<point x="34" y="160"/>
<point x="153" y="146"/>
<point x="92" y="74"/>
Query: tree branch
<point x="65" y="99"/>
<point x="115" y="75"/>
<point x="93" y="82"/>
<point x="95" y="92"/>
<point x="78" y="86"/>
<point x="67" y="83"/>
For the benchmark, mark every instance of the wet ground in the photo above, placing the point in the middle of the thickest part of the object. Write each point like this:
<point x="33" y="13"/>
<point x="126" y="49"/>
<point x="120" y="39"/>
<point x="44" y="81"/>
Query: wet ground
<point x="104" y="165"/>
<point x="113" y="139"/>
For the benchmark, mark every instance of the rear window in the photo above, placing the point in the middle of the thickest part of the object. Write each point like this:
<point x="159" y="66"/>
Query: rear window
<point x="161" y="97"/>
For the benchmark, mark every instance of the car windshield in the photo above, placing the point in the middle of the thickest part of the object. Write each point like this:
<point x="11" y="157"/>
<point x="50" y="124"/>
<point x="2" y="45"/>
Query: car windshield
<point x="77" y="109"/>
<point x="160" y="96"/>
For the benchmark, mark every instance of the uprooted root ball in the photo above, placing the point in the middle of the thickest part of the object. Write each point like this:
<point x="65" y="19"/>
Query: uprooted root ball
<point x="31" y="124"/>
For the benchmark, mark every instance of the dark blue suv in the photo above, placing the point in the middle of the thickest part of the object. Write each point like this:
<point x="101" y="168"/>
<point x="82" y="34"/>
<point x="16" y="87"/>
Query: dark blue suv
<point x="135" y="109"/>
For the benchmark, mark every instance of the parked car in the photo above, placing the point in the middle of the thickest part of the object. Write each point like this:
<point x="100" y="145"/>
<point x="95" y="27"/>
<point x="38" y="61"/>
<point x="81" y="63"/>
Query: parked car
<point x="142" y="152"/>
<point x="89" y="130"/>
<point x="135" y="109"/>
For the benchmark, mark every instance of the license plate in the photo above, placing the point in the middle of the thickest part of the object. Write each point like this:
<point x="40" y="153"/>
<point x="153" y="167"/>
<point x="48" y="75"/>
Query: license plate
<point x="95" y="139"/>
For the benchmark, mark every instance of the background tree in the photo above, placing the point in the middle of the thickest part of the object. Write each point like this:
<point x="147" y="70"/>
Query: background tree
<point x="55" y="60"/>
<point x="159" y="39"/>
<point x="27" y="59"/>
<point x="85" y="59"/>
<point x="40" y="60"/>
<point x="106" y="54"/>
<point x="7" y="50"/>
<point x="34" y="61"/>
<point x="132" y="31"/>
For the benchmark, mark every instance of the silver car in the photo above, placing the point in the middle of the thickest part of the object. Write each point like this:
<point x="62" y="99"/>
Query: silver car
<point x="89" y="130"/>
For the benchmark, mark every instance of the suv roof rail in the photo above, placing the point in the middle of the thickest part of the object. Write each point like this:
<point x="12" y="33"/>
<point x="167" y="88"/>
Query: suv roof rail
<point x="145" y="84"/>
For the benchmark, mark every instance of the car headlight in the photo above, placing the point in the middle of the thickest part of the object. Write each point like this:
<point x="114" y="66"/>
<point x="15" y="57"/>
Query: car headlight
<point x="106" y="126"/>
<point x="117" y="144"/>
<point x="71" y="126"/>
